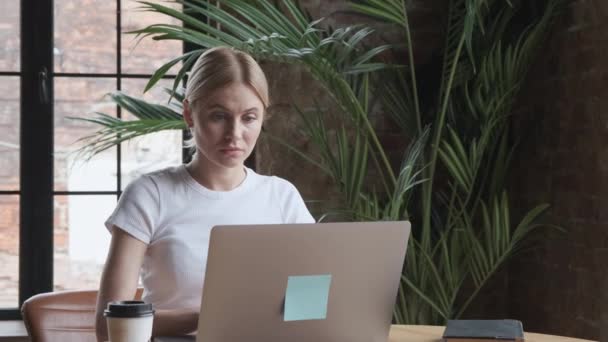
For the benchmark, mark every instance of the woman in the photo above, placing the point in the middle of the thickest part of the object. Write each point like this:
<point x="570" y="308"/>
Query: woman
<point x="162" y="222"/>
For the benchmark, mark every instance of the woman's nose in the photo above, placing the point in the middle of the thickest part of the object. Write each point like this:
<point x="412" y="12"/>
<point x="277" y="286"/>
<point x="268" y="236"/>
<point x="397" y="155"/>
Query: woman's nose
<point x="232" y="130"/>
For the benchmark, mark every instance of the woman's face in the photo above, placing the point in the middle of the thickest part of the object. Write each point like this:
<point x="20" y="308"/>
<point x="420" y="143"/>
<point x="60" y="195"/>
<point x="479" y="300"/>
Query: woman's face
<point x="226" y="124"/>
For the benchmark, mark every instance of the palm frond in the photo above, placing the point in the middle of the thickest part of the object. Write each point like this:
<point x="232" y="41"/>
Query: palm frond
<point x="348" y="162"/>
<point x="151" y="118"/>
<point x="409" y="177"/>
<point x="392" y="11"/>
<point x="116" y="131"/>
<point x="396" y="96"/>
<point x="162" y="71"/>
<point x="142" y="109"/>
<point x="395" y="11"/>
<point x="495" y="243"/>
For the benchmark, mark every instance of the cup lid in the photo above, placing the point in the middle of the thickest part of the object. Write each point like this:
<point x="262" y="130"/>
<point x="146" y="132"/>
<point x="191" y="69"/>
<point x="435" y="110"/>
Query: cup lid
<point x="128" y="308"/>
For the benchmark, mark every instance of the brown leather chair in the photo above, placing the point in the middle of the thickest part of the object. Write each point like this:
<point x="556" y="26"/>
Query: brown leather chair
<point x="64" y="316"/>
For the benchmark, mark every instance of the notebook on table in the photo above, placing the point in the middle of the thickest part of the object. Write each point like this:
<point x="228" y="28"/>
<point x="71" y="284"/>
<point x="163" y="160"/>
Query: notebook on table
<point x="503" y="330"/>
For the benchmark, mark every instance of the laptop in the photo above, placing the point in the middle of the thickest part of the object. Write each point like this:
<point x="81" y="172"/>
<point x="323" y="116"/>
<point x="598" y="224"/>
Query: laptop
<point x="328" y="282"/>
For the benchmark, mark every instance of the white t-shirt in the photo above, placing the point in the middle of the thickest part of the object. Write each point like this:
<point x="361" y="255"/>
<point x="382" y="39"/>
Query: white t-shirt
<point x="174" y="214"/>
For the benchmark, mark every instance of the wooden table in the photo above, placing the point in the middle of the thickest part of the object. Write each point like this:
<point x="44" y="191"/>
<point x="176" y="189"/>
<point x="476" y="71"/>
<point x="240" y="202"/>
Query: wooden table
<point x="429" y="333"/>
<point x="399" y="333"/>
<point x="432" y="333"/>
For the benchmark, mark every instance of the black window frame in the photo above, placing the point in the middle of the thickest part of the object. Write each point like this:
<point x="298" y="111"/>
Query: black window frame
<point x="36" y="190"/>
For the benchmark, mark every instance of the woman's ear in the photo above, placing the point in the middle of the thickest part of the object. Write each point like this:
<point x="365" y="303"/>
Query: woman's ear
<point x="188" y="114"/>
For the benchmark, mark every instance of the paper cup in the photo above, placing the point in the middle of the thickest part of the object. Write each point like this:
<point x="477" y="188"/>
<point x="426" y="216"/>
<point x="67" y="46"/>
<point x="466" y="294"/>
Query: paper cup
<point x="129" y="321"/>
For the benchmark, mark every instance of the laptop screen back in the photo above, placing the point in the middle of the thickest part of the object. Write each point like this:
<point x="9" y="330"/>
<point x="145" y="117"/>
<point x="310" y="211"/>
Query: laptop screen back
<point x="272" y="282"/>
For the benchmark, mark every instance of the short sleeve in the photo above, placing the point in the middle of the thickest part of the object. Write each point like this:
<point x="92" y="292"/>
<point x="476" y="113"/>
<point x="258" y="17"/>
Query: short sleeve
<point x="137" y="211"/>
<point x="293" y="208"/>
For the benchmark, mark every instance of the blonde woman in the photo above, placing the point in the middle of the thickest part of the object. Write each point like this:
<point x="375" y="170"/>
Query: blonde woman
<point x="160" y="227"/>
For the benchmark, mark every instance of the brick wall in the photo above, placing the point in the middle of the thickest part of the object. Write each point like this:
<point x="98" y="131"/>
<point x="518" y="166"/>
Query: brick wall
<point x="9" y="135"/>
<point x="289" y="85"/>
<point x="558" y="287"/>
<point x="561" y="287"/>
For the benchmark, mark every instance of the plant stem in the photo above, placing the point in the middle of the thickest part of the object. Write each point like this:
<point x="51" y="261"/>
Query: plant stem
<point x="408" y="37"/>
<point x="428" y="186"/>
<point x="372" y="134"/>
<point x="481" y="283"/>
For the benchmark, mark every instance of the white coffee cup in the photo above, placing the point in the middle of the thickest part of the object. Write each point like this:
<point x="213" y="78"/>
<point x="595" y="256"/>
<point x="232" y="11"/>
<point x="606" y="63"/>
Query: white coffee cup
<point x="129" y="321"/>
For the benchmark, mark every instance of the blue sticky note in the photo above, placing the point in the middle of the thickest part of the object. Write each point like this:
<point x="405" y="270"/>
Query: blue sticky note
<point x="306" y="297"/>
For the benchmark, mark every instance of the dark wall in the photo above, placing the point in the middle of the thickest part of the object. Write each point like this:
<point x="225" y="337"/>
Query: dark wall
<point x="562" y="287"/>
<point x="293" y="85"/>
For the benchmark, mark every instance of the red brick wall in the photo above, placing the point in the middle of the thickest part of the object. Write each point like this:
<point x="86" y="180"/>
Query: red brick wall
<point x="9" y="219"/>
<point x="562" y="287"/>
<point x="289" y="85"/>
<point x="9" y="135"/>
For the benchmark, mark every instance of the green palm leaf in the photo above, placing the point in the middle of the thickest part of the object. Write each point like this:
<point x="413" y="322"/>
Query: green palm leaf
<point x="113" y="131"/>
<point x="496" y="244"/>
<point x="392" y="11"/>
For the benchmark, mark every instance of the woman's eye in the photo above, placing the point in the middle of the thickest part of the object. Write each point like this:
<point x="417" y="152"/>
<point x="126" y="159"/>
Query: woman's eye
<point x="217" y="116"/>
<point x="249" y="118"/>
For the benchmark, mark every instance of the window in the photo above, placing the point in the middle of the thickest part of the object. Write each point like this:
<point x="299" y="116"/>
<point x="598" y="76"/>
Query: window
<point x="9" y="152"/>
<point x="52" y="204"/>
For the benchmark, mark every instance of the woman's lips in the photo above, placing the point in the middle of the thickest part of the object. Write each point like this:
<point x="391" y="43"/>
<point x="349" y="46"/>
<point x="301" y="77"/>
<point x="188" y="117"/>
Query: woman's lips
<point x="231" y="151"/>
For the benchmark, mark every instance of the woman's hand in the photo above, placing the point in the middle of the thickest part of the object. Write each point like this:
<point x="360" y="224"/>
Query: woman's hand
<point x="175" y="322"/>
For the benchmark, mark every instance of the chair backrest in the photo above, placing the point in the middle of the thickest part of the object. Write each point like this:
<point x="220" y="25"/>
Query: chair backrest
<point x="67" y="316"/>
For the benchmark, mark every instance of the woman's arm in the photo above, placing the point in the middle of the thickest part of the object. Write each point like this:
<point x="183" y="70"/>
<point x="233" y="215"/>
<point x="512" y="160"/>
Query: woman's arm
<point x="120" y="274"/>
<point x="119" y="282"/>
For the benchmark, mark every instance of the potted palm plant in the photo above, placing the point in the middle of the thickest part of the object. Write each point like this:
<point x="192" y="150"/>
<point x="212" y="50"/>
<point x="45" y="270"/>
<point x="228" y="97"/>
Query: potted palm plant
<point x="451" y="181"/>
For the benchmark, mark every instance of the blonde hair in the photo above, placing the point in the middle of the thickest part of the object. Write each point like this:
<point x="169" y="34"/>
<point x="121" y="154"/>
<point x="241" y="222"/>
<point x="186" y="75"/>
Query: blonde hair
<point x="222" y="66"/>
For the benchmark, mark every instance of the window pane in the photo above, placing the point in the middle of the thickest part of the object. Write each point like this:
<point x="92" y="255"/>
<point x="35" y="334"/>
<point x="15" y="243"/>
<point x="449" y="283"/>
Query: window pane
<point x="9" y="35"/>
<point x="9" y="133"/>
<point x="153" y="151"/>
<point x="82" y="97"/>
<point x="85" y="36"/>
<point x="81" y="240"/>
<point x="147" y="55"/>
<point x="9" y="251"/>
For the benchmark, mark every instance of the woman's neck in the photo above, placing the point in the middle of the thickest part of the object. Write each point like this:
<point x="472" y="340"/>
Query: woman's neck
<point x="213" y="176"/>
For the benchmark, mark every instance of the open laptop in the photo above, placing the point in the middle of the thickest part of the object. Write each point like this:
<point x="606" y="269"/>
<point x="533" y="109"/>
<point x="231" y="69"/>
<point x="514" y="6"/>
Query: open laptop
<point x="270" y="282"/>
